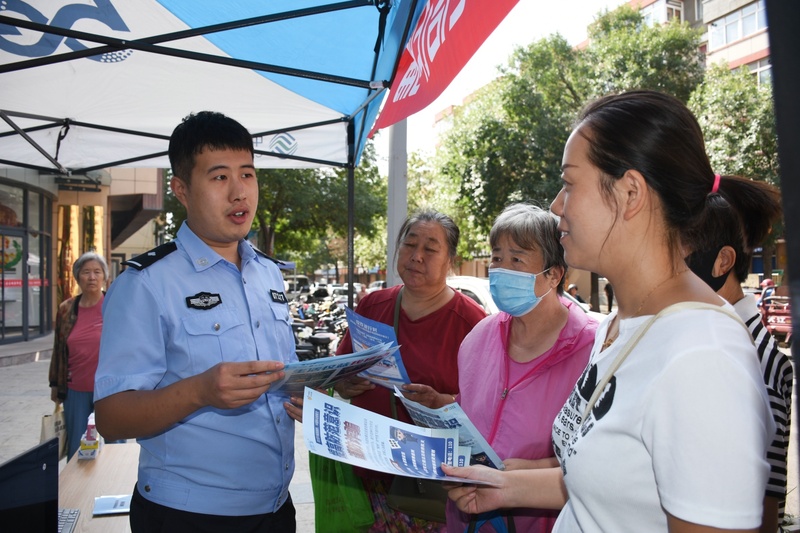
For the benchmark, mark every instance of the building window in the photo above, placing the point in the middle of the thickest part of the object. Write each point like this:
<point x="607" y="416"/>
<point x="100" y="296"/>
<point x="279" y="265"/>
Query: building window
<point x="698" y="10"/>
<point x="737" y="25"/>
<point x="25" y="240"/>
<point x="648" y="15"/>
<point x="762" y="70"/>
<point x="674" y="10"/>
<point x="662" y="11"/>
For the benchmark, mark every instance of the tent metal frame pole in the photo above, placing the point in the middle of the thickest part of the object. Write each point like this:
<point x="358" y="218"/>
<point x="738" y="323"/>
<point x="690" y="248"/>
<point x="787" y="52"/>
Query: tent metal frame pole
<point x="150" y="45"/>
<point x="33" y="143"/>
<point x="55" y="122"/>
<point x="351" y="215"/>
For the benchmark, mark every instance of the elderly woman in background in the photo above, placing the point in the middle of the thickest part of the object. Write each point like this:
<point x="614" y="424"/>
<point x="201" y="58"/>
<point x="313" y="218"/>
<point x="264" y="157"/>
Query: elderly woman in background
<point x="517" y="367"/>
<point x="76" y="346"/>
<point x="433" y="321"/>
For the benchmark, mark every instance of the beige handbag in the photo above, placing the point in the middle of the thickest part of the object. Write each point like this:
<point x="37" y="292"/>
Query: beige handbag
<point x="54" y="426"/>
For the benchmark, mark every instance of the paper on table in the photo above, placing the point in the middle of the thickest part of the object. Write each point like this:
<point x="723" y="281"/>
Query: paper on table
<point x="105" y="505"/>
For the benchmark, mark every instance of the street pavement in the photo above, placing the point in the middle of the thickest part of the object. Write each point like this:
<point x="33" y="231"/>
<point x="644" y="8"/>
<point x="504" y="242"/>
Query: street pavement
<point x="25" y="397"/>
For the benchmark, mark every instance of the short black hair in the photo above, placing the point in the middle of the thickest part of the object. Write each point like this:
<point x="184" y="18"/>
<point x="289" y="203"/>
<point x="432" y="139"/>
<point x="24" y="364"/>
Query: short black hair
<point x="198" y="131"/>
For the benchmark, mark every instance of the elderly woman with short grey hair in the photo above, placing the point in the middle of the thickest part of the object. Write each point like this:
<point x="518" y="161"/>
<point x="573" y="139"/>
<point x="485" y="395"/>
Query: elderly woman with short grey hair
<point x="76" y="346"/>
<point x="517" y="367"/>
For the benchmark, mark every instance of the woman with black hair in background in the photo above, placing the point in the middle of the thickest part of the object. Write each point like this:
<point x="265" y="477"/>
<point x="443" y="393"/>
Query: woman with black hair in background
<point x="737" y="219"/>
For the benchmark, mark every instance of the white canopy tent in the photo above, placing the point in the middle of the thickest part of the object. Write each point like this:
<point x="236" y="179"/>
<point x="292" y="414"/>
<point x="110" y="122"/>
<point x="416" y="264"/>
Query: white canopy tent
<point x="100" y="83"/>
<point x="91" y="84"/>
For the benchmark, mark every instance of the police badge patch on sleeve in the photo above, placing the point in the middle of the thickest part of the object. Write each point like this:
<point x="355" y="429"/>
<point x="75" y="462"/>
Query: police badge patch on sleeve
<point x="278" y="296"/>
<point x="203" y="301"/>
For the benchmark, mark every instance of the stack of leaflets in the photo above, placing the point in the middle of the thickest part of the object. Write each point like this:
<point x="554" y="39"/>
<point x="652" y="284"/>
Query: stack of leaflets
<point x="335" y="429"/>
<point x="326" y="372"/>
<point x="452" y="416"/>
<point x="391" y="373"/>
<point x="366" y="333"/>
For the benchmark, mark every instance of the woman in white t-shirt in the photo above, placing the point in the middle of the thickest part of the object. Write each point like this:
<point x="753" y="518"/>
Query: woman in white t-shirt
<point x="667" y="428"/>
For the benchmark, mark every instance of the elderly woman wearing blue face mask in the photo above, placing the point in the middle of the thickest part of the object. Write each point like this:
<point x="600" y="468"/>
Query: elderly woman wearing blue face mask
<point x="517" y="368"/>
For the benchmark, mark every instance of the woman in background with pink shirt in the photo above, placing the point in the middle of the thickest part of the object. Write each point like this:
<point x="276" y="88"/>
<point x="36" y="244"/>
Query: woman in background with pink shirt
<point x="76" y="346"/>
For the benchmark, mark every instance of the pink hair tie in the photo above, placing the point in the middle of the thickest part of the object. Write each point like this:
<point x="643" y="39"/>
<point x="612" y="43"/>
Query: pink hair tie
<point x="715" y="188"/>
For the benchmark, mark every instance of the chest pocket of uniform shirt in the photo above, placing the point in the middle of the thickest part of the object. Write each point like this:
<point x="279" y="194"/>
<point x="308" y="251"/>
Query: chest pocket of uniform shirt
<point x="281" y="312"/>
<point x="214" y="336"/>
<point x="283" y="335"/>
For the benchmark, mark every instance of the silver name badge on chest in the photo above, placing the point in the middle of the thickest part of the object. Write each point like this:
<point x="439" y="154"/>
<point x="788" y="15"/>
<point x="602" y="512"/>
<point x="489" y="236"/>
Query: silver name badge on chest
<point x="278" y="296"/>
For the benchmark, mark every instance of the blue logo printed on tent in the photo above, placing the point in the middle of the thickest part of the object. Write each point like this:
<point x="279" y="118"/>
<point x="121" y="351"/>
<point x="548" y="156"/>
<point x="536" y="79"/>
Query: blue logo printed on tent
<point x="283" y="143"/>
<point x="103" y="11"/>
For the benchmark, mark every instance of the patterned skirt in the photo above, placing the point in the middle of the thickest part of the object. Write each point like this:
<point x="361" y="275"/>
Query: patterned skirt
<point x="387" y="520"/>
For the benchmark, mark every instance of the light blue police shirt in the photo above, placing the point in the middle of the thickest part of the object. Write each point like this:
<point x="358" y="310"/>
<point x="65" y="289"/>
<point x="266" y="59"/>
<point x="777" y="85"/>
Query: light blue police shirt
<point x="178" y="317"/>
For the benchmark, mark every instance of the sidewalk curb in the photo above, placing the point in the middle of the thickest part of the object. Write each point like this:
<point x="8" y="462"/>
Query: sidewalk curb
<point x="38" y="349"/>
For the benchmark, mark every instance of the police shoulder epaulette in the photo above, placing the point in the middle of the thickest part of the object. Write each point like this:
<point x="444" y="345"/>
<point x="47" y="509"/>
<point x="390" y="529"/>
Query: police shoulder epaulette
<point x="148" y="258"/>
<point x="262" y="254"/>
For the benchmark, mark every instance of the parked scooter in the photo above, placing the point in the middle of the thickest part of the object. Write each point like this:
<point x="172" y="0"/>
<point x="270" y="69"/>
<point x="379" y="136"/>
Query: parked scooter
<point x="312" y="343"/>
<point x="318" y="336"/>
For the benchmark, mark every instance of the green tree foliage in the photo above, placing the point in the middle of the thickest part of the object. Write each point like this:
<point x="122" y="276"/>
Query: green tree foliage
<point x="172" y="215"/>
<point x="737" y="117"/>
<point x="738" y="122"/>
<point x="302" y="212"/>
<point x="425" y="190"/>
<point x="506" y="144"/>
<point x="627" y="54"/>
<point x="370" y="252"/>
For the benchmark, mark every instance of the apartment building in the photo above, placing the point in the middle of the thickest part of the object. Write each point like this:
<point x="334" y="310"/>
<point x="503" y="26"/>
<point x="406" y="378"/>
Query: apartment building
<point x="735" y="31"/>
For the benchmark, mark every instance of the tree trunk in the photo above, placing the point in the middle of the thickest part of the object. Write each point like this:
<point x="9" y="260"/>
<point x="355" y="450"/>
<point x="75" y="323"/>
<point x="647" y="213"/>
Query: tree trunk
<point x="767" y="253"/>
<point x="594" y="298"/>
<point x="266" y="237"/>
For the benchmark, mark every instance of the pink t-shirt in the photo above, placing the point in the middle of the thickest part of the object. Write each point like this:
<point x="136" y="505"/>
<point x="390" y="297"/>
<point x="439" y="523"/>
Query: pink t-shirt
<point x="519" y="423"/>
<point x="84" y="347"/>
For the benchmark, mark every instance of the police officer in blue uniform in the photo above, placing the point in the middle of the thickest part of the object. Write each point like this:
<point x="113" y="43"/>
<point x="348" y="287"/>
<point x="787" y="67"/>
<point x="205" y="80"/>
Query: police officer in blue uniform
<point x="195" y="332"/>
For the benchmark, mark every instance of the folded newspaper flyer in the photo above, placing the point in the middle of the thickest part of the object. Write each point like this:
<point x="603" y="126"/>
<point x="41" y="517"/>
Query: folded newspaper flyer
<point x="326" y="372"/>
<point x="364" y="333"/>
<point x="453" y="416"/>
<point x="337" y="430"/>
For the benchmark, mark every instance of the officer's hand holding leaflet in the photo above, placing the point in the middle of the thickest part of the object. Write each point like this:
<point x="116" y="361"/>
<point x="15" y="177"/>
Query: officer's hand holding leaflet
<point x="224" y="386"/>
<point x="231" y="385"/>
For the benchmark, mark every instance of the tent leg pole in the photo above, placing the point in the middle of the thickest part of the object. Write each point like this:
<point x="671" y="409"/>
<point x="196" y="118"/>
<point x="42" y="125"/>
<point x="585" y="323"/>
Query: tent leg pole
<point x="397" y="195"/>
<point x="351" y="233"/>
